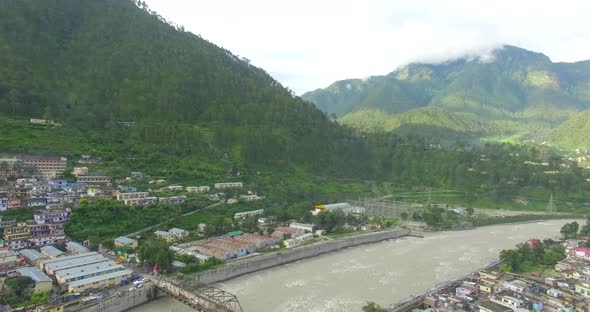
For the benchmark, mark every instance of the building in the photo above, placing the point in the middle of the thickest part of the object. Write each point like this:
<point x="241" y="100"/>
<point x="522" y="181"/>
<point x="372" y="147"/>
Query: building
<point x="3" y="204"/>
<point x="344" y="207"/>
<point x="74" y="248"/>
<point x="251" y="198"/>
<point x="172" y="200"/>
<point x="36" y="202"/>
<point x="17" y="236"/>
<point x="99" y="281"/>
<point x="53" y="265"/>
<point x="174" y="187"/>
<point x="582" y="253"/>
<point x="245" y="214"/>
<point x="43" y="122"/>
<point x="172" y="235"/>
<point x="51" y="216"/>
<point x="78" y="171"/>
<point x="198" y="189"/>
<point x="228" y="185"/>
<point x="47" y="167"/>
<point x="45" y="234"/>
<point x="67" y="276"/>
<point x="32" y="256"/>
<point x="94" y="179"/>
<point x="133" y="195"/>
<point x="14" y="203"/>
<point x="9" y="261"/>
<point x="52" y="252"/>
<point x="282" y="232"/>
<point x="42" y="282"/>
<point x="583" y="289"/>
<point x="148" y="201"/>
<point x="303" y="226"/>
<point x="122" y="242"/>
<point x="13" y="167"/>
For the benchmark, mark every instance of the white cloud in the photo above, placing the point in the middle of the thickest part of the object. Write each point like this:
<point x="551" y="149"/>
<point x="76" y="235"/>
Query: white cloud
<point x="309" y="44"/>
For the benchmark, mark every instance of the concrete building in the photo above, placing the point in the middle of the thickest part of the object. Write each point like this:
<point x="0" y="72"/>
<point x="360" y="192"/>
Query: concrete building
<point x="47" y="167"/>
<point x="51" y="216"/>
<point x="99" y="281"/>
<point x="228" y="185"/>
<point x="122" y="241"/>
<point x="66" y="276"/>
<point x="172" y="235"/>
<point x="174" y="187"/>
<point x="198" y="189"/>
<point x="94" y="179"/>
<point x="43" y="122"/>
<point x="172" y="200"/>
<point x="52" y="252"/>
<point x="303" y="226"/>
<point x="78" y="171"/>
<point x="9" y="261"/>
<point x="245" y="214"/>
<point x="33" y="257"/>
<point x="251" y="198"/>
<point x="3" y="204"/>
<point x="133" y="195"/>
<point x="148" y="201"/>
<point x="17" y="237"/>
<point x="42" y="282"/>
<point x="36" y="202"/>
<point x="67" y="262"/>
<point x="74" y="248"/>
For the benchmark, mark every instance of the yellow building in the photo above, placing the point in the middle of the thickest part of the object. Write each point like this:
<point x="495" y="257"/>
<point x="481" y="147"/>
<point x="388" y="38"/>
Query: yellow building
<point x="486" y="286"/>
<point x="489" y="275"/>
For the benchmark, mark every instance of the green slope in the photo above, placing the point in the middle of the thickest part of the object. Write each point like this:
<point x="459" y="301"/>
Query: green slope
<point x="517" y="91"/>
<point x="574" y="133"/>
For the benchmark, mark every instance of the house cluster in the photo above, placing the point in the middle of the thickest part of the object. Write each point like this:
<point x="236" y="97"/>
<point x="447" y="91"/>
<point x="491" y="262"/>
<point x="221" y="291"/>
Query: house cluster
<point x="145" y="199"/>
<point x="563" y="289"/>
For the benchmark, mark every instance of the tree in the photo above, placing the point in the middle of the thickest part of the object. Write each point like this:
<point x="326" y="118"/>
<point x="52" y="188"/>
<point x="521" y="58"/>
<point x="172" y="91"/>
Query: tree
<point x="157" y="252"/>
<point x="108" y="244"/>
<point x="19" y="284"/>
<point x="470" y="211"/>
<point x="373" y="307"/>
<point x="570" y="230"/>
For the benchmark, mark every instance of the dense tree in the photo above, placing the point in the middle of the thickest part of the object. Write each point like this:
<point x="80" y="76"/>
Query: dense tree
<point x="154" y="252"/>
<point x="570" y="230"/>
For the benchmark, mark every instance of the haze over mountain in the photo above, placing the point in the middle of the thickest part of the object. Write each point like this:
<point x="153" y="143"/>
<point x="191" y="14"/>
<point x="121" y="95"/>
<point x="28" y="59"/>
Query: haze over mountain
<point x="515" y="92"/>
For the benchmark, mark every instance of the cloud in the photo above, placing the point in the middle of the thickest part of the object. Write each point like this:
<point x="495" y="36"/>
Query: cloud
<point x="309" y="44"/>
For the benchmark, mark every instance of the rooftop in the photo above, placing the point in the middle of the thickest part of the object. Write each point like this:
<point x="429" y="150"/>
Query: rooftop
<point x="32" y="254"/>
<point x="125" y="240"/>
<point x="77" y="247"/>
<point x="99" y="278"/>
<point x="34" y="274"/>
<point x="89" y="269"/>
<point x="52" y="251"/>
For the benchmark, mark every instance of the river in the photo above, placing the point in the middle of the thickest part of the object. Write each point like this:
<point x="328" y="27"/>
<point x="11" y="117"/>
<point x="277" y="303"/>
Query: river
<point x="384" y="272"/>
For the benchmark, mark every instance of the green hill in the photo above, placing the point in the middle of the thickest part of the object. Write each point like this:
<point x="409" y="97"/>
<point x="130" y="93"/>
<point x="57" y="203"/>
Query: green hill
<point x="572" y="133"/>
<point x="517" y="91"/>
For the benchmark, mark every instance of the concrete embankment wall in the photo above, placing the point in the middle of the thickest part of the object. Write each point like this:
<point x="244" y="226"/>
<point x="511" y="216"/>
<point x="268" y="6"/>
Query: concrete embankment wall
<point x="275" y="259"/>
<point x="129" y="300"/>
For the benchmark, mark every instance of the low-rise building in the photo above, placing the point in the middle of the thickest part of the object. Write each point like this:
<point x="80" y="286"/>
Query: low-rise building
<point x="78" y="171"/>
<point x="148" y="201"/>
<point x="99" y="281"/>
<point x="171" y="235"/>
<point x="74" y="248"/>
<point x="32" y="256"/>
<point x="42" y="282"/>
<point x="245" y="214"/>
<point x="52" y="252"/>
<point x="174" y="187"/>
<point x="51" y="216"/>
<point x="123" y="242"/>
<point x="172" y="200"/>
<point x="132" y="195"/>
<point x="228" y="185"/>
<point x="198" y="189"/>
<point x="94" y="179"/>
<point x="251" y="198"/>
<point x="303" y="226"/>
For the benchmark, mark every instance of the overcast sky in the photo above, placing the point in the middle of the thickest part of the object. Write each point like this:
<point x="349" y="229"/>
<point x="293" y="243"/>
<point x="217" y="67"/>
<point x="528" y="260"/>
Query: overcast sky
<point x="308" y="44"/>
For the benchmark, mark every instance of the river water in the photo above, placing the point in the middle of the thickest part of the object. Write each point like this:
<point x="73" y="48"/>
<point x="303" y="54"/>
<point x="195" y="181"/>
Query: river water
<point x="384" y="272"/>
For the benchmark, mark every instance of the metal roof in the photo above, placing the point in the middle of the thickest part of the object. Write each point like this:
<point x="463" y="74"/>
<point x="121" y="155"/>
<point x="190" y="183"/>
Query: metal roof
<point x="125" y="240"/>
<point x="52" y="251"/>
<point x="99" y="278"/>
<point x="176" y="231"/>
<point x="161" y="233"/>
<point x="32" y="254"/>
<point x="34" y="274"/>
<point x="68" y="258"/>
<point x="69" y="262"/>
<point x="90" y="269"/>
<point x="77" y="247"/>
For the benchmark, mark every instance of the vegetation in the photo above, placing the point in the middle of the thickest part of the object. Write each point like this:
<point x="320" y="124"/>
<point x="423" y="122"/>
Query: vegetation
<point x="373" y="307"/>
<point x="518" y="95"/>
<point x="19" y="292"/>
<point x="193" y="266"/>
<point x="532" y="258"/>
<point x="21" y="214"/>
<point x="156" y="252"/>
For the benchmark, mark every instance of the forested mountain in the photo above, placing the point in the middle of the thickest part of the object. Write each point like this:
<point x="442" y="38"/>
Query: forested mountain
<point x="517" y="92"/>
<point x="196" y="113"/>
<point x="573" y="133"/>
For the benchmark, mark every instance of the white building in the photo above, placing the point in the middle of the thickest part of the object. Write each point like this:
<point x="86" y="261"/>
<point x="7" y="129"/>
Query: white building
<point x="303" y="226"/>
<point x="246" y="214"/>
<point x="228" y="185"/>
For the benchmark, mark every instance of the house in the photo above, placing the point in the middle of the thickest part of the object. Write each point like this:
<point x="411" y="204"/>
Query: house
<point x="582" y="252"/>
<point x="228" y="185"/>
<point x="132" y="195"/>
<point x="344" y="207"/>
<point x="245" y="214"/>
<point x="172" y="200"/>
<point x="14" y="203"/>
<point x="44" y="122"/>
<point x="148" y="201"/>
<point x="282" y="231"/>
<point x="511" y="302"/>
<point x="303" y="226"/>
<point x="122" y="241"/>
<point x="51" y="216"/>
<point x="175" y="187"/>
<point x="74" y="248"/>
<point x="250" y="198"/>
<point x="171" y="235"/>
<point x="136" y="174"/>
<point x="43" y="283"/>
<point x="32" y="256"/>
<point x="77" y="171"/>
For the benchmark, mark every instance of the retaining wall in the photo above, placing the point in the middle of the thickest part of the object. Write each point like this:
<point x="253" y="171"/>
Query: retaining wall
<point x="266" y="261"/>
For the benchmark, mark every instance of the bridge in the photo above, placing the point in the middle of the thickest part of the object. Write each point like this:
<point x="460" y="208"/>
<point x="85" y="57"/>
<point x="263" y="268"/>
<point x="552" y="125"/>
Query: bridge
<point x="199" y="296"/>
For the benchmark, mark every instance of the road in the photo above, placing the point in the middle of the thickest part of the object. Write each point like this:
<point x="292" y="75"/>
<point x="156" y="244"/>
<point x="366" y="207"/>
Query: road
<point x="169" y="220"/>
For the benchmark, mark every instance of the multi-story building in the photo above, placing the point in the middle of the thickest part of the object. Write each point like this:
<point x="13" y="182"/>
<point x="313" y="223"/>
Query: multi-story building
<point x="51" y="216"/>
<point x="93" y="179"/>
<point x="14" y="203"/>
<point x="46" y="234"/>
<point x="17" y="236"/>
<point x="36" y="202"/>
<point x="3" y="204"/>
<point x="148" y="201"/>
<point x="10" y="167"/>
<point x="228" y="185"/>
<point x="173" y="200"/>
<point x="133" y="195"/>
<point x="79" y="171"/>
<point x="47" y="167"/>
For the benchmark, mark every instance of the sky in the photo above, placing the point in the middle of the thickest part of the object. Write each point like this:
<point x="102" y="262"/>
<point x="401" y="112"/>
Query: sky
<point x="309" y="44"/>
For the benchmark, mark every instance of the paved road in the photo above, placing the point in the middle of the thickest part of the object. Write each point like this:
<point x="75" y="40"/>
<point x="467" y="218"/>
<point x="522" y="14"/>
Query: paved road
<point x="171" y="219"/>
